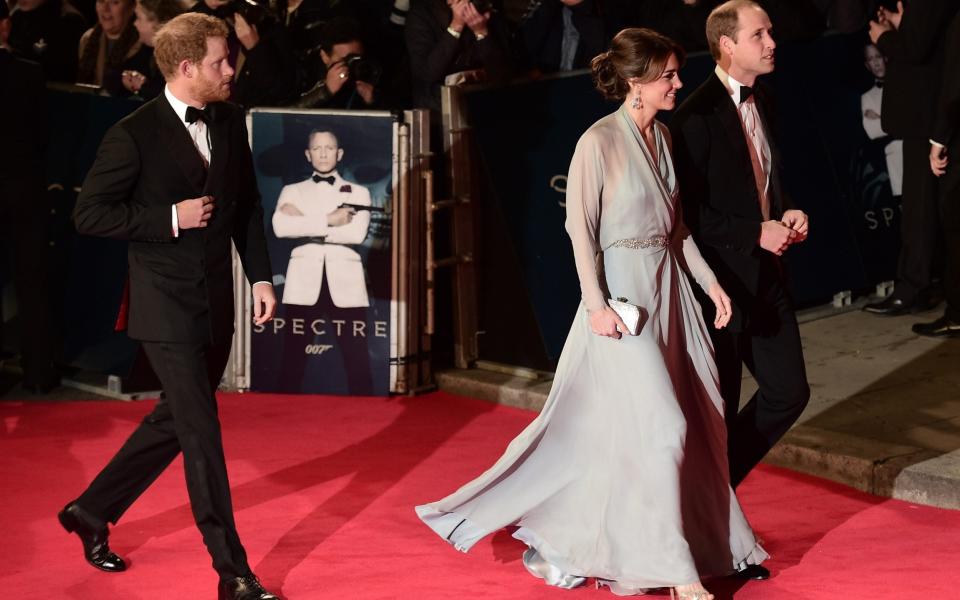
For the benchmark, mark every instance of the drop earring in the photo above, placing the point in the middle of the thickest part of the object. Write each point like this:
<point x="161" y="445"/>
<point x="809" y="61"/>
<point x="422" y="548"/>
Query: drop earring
<point x="636" y="104"/>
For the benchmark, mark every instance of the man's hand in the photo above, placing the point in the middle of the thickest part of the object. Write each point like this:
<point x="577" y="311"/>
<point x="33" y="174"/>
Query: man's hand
<point x="341" y="216"/>
<point x="246" y="33"/>
<point x="871" y="114"/>
<point x="798" y="221"/>
<point x="892" y="17"/>
<point x="290" y="210"/>
<point x="775" y="237"/>
<point x="195" y="212"/>
<point x="366" y="92"/>
<point x="938" y="159"/>
<point x="878" y="28"/>
<point x="722" y="303"/>
<point x="264" y="303"/>
<point x="474" y="20"/>
<point x="605" y="322"/>
<point x="457" y="22"/>
<point x="337" y="75"/>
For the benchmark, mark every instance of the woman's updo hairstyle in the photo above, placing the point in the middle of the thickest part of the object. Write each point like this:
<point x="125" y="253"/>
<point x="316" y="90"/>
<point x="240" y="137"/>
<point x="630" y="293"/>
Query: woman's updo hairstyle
<point x="635" y="53"/>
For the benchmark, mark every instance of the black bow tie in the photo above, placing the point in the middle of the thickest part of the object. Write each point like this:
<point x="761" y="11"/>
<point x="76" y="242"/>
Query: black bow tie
<point x="195" y="114"/>
<point x="879" y="83"/>
<point x="318" y="178"/>
<point x="745" y="92"/>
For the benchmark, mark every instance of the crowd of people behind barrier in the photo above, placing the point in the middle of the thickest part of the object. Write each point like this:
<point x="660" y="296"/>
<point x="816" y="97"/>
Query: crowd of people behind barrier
<point x="369" y="53"/>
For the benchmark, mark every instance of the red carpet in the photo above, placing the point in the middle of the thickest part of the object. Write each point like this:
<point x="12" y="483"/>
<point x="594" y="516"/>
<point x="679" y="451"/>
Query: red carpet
<point x="325" y="488"/>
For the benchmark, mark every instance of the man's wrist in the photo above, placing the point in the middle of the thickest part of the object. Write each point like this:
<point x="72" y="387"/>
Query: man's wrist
<point x="456" y="33"/>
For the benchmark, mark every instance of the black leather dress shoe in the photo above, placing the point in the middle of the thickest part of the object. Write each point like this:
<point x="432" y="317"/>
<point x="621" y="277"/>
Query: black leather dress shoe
<point x="755" y="572"/>
<point x="93" y="536"/>
<point x="244" y="588"/>
<point x="941" y="328"/>
<point x="891" y="306"/>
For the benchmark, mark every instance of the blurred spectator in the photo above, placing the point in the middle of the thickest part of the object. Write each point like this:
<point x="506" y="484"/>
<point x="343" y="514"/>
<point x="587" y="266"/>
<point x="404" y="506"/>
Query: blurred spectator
<point x="871" y="103"/>
<point x="846" y="16"/>
<point x="562" y="35"/>
<point x="24" y="208"/>
<point x="266" y="69"/>
<point x="48" y="31"/>
<point x="381" y="27"/>
<point x="347" y="77"/>
<point x="110" y="47"/>
<point x="913" y="41"/>
<point x="451" y="36"/>
<point x="150" y="16"/>
<point x="794" y="19"/>
<point x="684" y="21"/>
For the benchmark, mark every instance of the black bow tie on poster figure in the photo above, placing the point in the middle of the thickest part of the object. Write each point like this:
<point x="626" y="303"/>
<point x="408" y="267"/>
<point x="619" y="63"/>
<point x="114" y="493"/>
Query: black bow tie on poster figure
<point x="526" y="248"/>
<point x="331" y="333"/>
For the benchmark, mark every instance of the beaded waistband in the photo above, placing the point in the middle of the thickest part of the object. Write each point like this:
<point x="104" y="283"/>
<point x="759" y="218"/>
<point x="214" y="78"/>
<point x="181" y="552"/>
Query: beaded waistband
<point x="657" y="241"/>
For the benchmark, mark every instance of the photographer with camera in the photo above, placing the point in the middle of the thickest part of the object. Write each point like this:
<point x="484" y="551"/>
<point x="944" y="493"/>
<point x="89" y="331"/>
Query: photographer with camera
<point x="258" y="51"/>
<point x="348" y="78"/>
<point x="452" y="36"/>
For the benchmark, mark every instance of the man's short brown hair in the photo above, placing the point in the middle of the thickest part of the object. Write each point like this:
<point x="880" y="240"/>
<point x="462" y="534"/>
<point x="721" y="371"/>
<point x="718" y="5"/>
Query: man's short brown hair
<point x="185" y="38"/>
<point x="724" y="21"/>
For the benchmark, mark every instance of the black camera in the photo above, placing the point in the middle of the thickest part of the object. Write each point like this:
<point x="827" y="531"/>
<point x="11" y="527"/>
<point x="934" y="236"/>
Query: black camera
<point x="251" y="11"/>
<point x="482" y="6"/>
<point x="362" y="69"/>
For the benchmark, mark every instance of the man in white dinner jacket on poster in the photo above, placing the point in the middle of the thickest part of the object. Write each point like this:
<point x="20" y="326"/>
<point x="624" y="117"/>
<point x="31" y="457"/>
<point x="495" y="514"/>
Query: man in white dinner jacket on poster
<point x="312" y="209"/>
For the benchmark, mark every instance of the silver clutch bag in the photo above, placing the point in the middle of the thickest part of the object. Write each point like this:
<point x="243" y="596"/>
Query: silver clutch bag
<point x="628" y="313"/>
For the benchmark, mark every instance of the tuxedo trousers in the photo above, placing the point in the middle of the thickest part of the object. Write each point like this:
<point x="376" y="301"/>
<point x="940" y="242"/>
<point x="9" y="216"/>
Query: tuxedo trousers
<point x="919" y="222"/>
<point x="184" y="420"/>
<point x="769" y="345"/>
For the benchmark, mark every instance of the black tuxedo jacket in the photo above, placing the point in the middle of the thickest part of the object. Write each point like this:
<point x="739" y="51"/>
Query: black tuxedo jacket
<point x="946" y="129"/>
<point x="181" y="289"/>
<point x="916" y="53"/>
<point x="717" y="187"/>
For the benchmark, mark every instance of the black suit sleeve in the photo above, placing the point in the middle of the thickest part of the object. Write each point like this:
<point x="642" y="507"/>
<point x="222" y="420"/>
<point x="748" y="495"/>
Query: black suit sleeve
<point x="691" y="143"/>
<point x="106" y="207"/>
<point x="917" y="38"/>
<point x="947" y="119"/>
<point x="430" y="57"/>
<point x="248" y="235"/>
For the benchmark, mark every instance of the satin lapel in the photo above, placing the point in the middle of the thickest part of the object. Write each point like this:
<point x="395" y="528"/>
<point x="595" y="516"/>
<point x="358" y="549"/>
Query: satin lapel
<point x="219" y="153"/>
<point x="177" y="141"/>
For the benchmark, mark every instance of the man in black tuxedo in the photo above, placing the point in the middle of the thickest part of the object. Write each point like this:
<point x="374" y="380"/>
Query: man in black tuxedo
<point x="735" y="205"/>
<point x="912" y="39"/>
<point x="176" y="180"/>
<point x="24" y="208"/>
<point x="944" y="150"/>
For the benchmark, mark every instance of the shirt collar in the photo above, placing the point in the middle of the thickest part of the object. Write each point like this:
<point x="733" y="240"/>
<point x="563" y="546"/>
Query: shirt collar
<point x="733" y="86"/>
<point x="178" y="106"/>
<point x="334" y="173"/>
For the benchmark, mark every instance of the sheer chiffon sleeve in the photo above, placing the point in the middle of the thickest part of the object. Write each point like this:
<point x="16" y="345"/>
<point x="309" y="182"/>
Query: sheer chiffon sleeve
<point x="584" y="199"/>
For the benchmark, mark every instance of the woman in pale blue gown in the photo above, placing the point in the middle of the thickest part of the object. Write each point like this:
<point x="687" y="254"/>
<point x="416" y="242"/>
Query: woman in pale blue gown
<point x="623" y="477"/>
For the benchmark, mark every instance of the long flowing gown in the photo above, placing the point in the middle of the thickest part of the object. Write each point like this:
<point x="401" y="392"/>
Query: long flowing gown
<point x="623" y="476"/>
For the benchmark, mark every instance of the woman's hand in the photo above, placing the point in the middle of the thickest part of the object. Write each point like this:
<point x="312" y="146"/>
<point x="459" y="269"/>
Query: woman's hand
<point x="132" y="80"/>
<point x="722" y="303"/>
<point x="604" y="321"/>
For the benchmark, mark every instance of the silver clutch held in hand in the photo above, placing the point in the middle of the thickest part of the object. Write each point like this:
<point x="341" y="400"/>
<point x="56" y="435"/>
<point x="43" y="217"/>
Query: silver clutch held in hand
<point x="628" y="313"/>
